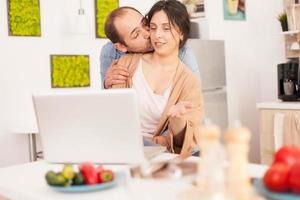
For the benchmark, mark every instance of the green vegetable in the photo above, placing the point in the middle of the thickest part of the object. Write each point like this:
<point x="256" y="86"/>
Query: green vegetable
<point x="56" y="179"/>
<point x="78" y="179"/>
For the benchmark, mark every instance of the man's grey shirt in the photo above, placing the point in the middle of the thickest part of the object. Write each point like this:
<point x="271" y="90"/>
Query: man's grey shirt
<point x="109" y="53"/>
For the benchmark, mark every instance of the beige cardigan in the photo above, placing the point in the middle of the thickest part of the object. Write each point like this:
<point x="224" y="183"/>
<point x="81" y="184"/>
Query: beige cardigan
<point x="186" y="87"/>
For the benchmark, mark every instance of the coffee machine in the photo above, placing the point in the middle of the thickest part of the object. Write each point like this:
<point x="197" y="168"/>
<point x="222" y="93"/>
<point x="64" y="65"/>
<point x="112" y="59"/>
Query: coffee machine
<point x="288" y="81"/>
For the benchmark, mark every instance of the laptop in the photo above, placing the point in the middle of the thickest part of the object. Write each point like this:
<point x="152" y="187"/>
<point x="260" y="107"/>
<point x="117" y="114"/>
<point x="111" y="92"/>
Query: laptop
<point x="100" y="127"/>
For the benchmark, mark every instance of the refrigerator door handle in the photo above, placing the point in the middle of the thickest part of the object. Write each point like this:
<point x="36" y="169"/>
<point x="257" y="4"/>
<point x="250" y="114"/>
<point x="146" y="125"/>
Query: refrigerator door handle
<point x="214" y="90"/>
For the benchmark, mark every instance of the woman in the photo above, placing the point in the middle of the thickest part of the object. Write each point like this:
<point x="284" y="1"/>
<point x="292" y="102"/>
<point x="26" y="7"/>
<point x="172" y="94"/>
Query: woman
<point x="169" y="95"/>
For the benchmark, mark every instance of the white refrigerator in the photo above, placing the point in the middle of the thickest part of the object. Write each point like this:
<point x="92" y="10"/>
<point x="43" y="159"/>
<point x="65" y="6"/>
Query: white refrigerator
<point x="210" y="56"/>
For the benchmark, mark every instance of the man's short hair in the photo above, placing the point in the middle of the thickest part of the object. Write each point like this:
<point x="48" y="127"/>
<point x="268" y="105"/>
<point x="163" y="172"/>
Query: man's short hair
<point x="110" y="28"/>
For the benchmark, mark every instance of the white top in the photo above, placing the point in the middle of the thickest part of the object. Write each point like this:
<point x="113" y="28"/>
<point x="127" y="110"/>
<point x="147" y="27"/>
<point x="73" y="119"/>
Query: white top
<point x="151" y="105"/>
<point x="279" y="105"/>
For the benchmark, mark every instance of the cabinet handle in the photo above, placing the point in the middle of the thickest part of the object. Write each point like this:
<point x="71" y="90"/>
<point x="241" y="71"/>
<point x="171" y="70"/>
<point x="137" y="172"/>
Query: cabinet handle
<point x="214" y="90"/>
<point x="269" y="152"/>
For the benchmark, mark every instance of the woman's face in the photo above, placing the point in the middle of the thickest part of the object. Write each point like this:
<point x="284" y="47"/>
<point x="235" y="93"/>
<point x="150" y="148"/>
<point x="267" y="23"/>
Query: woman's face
<point x="164" y="37"/>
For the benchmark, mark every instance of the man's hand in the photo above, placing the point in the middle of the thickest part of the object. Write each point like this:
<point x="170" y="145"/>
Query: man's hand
<point x="116" y="74"/>
<point x="179" y="109"/>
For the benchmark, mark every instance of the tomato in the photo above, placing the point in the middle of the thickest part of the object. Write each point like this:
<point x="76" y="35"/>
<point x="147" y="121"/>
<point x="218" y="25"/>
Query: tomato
<point x="288" y="155"/>
<point x="277" y="177"/>
<point x="294" y="178"/>
<point x="89" y="173"/>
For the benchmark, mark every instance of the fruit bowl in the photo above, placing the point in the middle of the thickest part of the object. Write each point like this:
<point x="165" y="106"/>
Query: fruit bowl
<point x="87" y="188"/>
<point x="87" y="178"/>
<point x="261" y="189"/>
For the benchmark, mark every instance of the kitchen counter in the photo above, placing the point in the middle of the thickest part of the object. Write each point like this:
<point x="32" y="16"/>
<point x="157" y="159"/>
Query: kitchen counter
<point x="27" y="182"/>
<point x="277" y="126"/>
<point x="292" y="105"/>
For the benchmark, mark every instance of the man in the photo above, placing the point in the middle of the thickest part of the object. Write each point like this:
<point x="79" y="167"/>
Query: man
<point x="127" y="32"/>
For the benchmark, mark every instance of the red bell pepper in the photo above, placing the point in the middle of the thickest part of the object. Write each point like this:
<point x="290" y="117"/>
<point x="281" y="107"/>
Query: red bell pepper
<point x="105" y="175"/>
<point x="89" y="173"/>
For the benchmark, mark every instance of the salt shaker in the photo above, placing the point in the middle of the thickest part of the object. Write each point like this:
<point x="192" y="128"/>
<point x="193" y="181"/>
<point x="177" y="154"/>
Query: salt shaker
<point x="237" y="146"/>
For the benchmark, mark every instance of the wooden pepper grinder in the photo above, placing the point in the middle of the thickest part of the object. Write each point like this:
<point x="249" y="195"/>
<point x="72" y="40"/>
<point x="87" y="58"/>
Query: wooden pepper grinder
<point x="237" y="147"/>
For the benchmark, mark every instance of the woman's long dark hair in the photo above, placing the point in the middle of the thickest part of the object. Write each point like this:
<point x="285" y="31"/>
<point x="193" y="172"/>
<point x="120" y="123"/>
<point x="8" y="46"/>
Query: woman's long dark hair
<point x="177" y="15"/>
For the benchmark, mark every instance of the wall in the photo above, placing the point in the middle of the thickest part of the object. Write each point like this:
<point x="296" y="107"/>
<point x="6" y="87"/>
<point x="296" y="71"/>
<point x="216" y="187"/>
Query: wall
<point x="25" y="67"/>
<point x="253" y="48"/>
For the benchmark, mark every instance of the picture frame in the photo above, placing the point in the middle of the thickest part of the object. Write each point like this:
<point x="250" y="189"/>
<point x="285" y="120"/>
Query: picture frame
<point x="24" y="22"/>
<point x="102" y="10"/>
<point x="234" y="10"/>
<point x="69" y="71"/>
<point x="195" y="8"/>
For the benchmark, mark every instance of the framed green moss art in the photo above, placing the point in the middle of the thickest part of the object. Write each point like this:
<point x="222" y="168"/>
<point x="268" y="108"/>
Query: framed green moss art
<point x="70" y="71"/>
<point x="103" y="8"/>
<point x="24" y="18"/>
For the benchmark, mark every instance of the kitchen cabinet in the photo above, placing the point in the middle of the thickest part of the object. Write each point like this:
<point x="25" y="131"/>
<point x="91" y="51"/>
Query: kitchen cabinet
<point x="279" y="124"/>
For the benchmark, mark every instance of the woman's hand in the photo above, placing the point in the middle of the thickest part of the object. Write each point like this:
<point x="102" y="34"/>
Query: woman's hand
<point x="177" y="118"/>
<point x="161" y="140"/>
<point x="180" y="109"/>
